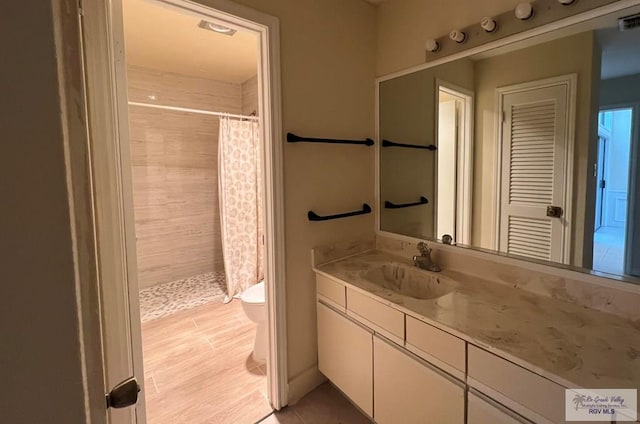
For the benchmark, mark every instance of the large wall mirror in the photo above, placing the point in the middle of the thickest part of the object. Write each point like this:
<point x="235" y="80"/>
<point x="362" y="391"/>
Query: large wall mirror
<point x="531" y="149"/>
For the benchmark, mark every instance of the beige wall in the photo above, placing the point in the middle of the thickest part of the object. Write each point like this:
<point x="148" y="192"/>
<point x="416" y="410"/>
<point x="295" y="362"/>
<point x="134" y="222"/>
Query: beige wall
<point x="174" y="156"/>
<point x="407" y="115"/>
<point x="40" y="357"/>
<point x="561" y="57"/>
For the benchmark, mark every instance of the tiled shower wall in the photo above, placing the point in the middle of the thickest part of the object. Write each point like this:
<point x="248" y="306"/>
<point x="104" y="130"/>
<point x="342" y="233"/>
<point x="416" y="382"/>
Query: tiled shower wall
<point x="174" y="160"/>
<point x="250" y="96"/>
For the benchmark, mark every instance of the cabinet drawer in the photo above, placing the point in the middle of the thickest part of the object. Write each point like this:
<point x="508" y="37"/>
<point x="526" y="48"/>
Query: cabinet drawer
<point x="382" y="318"/>
<point x="435" y="345"/>
<point x="485" y="411"/>
<point x="331" y="290"/>
<point x="530" y="392"/>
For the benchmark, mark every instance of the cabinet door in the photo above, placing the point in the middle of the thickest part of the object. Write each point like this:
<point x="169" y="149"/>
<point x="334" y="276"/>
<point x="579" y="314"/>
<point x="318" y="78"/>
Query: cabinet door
<point x="407" y="390"/>
<point x="481" y="411"/>
<point x="345" y="356"/>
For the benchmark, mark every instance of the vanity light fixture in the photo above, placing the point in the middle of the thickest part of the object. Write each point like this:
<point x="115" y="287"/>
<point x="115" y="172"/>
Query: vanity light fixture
<point x="432" y="45"/>
<point x="458" y="36"/>
<point x="566" y="2"/>
<point x="524" y="11"/>
<point x="220" y="29"/>
<point x="488" y="24"/>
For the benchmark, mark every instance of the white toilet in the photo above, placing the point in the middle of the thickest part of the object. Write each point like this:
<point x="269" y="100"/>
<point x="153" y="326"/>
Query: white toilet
<point x="253" y="303"/>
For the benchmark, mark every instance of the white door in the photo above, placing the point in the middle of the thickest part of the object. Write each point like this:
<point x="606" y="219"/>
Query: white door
<point x="115" y="233"/>
<point x="345" y="355"/>
<point x="600" y="181"/>
<point x="534" y="171"/>
<point x="447" y="159"/>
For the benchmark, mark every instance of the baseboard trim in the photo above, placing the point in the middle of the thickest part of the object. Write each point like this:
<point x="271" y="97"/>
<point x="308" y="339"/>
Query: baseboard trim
<point x="304" y="382"/>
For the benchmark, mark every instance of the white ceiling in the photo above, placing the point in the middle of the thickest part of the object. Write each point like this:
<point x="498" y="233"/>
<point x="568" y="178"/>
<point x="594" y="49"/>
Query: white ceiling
<point x="165" y="38"/>
<point x="620" y="52"/>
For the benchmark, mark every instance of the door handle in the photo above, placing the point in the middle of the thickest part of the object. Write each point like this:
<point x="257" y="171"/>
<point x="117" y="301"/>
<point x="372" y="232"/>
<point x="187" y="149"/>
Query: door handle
<point x="554" y="211"/>
<point x="124" y="394"/>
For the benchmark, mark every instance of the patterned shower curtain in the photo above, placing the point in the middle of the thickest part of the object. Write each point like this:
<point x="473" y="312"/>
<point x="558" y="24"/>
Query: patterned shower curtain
<point x="240" y="197"/>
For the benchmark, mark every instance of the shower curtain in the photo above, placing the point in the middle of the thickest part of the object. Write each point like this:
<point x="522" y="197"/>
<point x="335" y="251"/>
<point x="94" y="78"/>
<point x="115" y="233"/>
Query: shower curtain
<point x="240" y="198"/>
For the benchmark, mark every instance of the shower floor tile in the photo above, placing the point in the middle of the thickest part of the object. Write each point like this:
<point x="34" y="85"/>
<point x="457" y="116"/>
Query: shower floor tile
<point x="199" y="368"/>
<point x="168" y="298"/>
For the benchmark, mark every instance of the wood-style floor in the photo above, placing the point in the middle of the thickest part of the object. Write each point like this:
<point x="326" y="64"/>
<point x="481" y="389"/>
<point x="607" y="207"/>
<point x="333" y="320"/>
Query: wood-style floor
<point x="198" y="367"/>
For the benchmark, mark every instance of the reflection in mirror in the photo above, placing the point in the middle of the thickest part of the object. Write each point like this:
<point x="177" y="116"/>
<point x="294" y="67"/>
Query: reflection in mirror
<point x="532" y="147"/>
<point x="454" y="112"/>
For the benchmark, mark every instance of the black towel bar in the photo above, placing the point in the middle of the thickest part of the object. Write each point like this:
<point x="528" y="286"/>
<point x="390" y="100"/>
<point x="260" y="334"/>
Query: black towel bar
<point x="387" y="143"/>
<point x="292" y="138"/>
<point x="315" y="217"/>
<point x="389" y="205"/>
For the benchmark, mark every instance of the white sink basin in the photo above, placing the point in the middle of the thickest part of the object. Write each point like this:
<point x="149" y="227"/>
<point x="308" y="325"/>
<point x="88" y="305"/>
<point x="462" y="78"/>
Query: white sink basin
<point x="410" y="281"/>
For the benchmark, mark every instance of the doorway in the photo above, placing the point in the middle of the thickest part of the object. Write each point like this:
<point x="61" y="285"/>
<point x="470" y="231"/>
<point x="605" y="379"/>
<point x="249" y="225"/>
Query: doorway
<point x="612" y="189"/>
<point x="197" y="197"/>
<point x="453" y="162"/>
<point x="114" y="178"/>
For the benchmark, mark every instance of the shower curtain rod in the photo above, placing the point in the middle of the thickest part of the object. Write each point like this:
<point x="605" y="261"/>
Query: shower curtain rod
<point x="184" y="109"/>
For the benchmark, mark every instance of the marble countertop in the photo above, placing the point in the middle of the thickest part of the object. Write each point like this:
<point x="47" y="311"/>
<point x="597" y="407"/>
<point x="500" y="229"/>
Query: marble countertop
<point x="572" y="345"/>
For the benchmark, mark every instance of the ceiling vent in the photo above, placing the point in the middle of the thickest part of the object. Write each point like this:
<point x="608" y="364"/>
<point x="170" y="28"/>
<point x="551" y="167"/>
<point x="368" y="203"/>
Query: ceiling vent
<point x="629" y="22"/>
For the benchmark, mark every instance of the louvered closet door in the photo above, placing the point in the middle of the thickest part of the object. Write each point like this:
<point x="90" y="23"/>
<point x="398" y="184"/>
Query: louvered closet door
<point x="534" y="149"/>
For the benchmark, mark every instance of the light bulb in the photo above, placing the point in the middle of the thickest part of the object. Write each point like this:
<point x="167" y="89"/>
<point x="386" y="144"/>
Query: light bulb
<point x="458" y="36"/>
<point x="488" y="24"/>
<point x="432" y="45"/>
<point x="524" y="11"/>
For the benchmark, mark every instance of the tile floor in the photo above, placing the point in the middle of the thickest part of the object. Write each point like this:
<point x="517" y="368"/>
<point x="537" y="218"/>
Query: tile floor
<point x="608" y="250"/>
<point x="198" y="367"/>
<point x="324" y="405"/>
<point x="165" y="299"/>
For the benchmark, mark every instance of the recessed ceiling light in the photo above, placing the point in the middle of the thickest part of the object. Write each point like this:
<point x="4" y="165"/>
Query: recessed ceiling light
<point x="220" y="29"/>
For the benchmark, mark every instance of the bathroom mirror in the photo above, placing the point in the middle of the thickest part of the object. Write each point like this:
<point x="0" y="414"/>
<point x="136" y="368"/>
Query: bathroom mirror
<point x="530" y="149"/>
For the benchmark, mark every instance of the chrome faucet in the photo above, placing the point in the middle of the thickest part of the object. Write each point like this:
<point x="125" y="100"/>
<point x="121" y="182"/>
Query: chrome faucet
<point x="424" y="260"/>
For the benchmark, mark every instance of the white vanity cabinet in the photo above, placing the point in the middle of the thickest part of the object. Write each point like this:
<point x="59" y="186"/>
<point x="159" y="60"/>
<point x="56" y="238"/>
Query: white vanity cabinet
<point x="400" y="369"/>
<point x="345" y="356"/>
<point x="407" y="390"/>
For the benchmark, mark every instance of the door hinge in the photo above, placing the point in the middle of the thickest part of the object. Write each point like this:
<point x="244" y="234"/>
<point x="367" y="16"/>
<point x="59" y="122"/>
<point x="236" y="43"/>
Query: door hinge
<point x="504" y="116"/>
<point x="603" y="184"/>
<point x="80" y="8"/>
<point x="124" y="394"/>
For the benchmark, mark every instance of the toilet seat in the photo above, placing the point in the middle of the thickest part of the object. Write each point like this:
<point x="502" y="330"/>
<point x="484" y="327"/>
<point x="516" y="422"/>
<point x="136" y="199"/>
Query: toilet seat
<point x="254" y="294"/>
